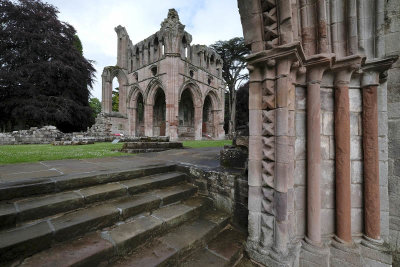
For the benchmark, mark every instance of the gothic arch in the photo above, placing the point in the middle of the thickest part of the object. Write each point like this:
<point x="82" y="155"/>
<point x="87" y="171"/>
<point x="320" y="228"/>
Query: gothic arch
<point x="216" y="102"/>
<point x="109" y="73"/>
<point x="133" y="96"/>
<point x="152" y="89"/>
<point x="194" y="89"/>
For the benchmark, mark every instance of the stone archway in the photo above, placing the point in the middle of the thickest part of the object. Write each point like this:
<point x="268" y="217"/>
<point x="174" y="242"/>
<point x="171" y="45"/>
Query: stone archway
<point x="208" y="118"/>
<point x="159" y="113"/>
<point x="186" y="115"/>
<point x="109" y="73"/>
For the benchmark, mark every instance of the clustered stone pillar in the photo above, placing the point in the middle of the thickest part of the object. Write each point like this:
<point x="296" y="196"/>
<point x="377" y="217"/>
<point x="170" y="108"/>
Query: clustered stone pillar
<point x="371" y="155"/>
<point x="198" y="122"/>
<point x="314" y="77"/>
<point x="255" y="154"/>
<point x="282" y="155"/>
<point x="148" y="120"/>
<point x="132" y="121"/>
<point x="107" y="96"/>
<point x="342" y="154"/>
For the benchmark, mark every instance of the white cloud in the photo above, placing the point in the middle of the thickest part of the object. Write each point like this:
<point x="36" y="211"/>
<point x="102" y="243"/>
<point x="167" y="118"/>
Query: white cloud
<point x="207" y="20"/>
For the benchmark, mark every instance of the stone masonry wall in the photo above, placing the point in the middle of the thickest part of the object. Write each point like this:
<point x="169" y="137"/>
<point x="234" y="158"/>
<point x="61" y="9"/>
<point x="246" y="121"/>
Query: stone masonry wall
<point x="392" y="18"/>
<point x="328" y="159"/>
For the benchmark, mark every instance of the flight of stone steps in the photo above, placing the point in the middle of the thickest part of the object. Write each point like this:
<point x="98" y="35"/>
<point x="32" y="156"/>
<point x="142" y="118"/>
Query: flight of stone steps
<point x="145" y="217"/>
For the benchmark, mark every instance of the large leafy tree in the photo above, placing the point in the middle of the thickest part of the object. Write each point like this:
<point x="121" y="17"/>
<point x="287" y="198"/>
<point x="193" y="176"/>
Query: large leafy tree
<point x="44" y="79"/>
<point x="233" y="53"/>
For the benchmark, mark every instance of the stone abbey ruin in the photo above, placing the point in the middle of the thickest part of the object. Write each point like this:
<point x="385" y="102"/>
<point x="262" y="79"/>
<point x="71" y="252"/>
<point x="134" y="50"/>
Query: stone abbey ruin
<point x="321" y="185"/>
<point x="167" y="86"/>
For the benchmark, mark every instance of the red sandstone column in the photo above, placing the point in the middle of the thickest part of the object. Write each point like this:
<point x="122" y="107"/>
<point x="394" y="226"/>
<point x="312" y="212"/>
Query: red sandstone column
<point x="198" y="122"/>
<point x="314" y="77"/>
<point x="342" y="156"/>
<point x="371" y="162"/>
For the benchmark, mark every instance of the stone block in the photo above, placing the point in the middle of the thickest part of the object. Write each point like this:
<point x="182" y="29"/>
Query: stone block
<point x="382" y="124"/>
<point x="300" y="198"/>
<point x="355" y="148"/>
<point x="354" y="123"/>
<point x="255" y="118"/>
<point x="383" y="148"/>
<point x="356" y="172"/>
<point x="300" y="98"/>
<point x="300" y="148"/>
<point x="325" y="147"/>
<point x="331" y="147"/>
<point x="255" y="198"/>
<point x="357" y="196"/>
<point x="327" y="196"/>
<point x="327" y="221"/>
<point x="357" y="221"/>
<point x="327" y="100"/>
<point x="384" y="198"/>
<point x="300" y="223"/>
<point x="355" y="100"/>
<point x="394" y="110"/>
<point x="300" y="124"/>
<point x="385" y="226"/>
<point x="254" y="226"/>
<point x="327" y="123"/>
<point x="382" y="99"/>
<point x="300" y="172"/>
<point x="394" y="129"/>
<point x="383" y="173"/>
<point x="327" y="172"/>
<point x="255" y="172"/>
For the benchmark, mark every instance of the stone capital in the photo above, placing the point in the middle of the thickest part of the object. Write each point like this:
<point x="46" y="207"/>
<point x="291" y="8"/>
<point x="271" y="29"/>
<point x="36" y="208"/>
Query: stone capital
<point x="373" y="68"/>
<point x="292" y="51"/>
<point x="344" y="67"/>
<point x="316" y="66"/>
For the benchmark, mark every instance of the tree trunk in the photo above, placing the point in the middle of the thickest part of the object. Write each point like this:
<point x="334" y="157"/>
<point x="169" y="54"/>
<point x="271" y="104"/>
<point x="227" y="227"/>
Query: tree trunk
<point x="232" y="119"/>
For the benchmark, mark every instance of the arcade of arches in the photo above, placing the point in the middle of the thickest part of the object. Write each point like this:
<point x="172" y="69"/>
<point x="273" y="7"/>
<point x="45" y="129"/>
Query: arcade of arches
<point x="167" y="86"/>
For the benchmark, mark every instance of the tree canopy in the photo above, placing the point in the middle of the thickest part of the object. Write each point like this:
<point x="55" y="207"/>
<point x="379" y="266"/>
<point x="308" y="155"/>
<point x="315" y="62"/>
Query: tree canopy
<point x="44" y="79"/>
<point x="233" y="53"/>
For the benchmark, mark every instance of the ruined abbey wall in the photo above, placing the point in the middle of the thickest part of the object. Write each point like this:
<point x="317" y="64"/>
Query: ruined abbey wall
<point x="167" y="86"/>
<point x="320" y="174"/>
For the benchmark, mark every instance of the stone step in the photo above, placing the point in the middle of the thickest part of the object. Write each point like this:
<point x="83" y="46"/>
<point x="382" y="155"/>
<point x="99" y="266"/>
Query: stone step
<point x="101" y="248"/>
<point x="171" y="248"/>
<point x="39" y="186"/>
<point x="13" y="213"/>
<point x="224" y="250"/>
<point x="31" y="238"/>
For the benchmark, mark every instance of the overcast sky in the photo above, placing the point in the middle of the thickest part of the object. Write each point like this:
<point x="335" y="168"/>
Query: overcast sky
<point x="207" y="20"/>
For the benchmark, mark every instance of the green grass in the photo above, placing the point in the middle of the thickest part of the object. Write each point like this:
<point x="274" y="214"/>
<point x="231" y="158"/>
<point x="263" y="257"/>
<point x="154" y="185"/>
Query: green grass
<point x="33" y="153"/>
<point x="207" y="143"/>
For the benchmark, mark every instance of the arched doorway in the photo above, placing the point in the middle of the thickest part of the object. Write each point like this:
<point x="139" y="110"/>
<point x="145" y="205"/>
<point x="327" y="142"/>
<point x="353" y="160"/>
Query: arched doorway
<point x="139" y="116"/>
<point x="208" y="118"/>
<point x="159" y="113"/>
<point x="186" y="115"/>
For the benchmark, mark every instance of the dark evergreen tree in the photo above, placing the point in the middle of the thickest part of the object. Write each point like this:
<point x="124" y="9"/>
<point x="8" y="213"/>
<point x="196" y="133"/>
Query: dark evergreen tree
<point x="233" y="53"/>
<point x="44" y="79"/>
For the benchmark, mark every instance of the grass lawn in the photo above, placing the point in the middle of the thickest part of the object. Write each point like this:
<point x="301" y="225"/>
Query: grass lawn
<point x="33" y="153"/>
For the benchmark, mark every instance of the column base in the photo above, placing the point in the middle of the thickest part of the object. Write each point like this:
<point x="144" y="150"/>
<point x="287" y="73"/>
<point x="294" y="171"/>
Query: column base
<point x="375" y="252"/>
<point x="313" y="255"/>
<point x="269" y="257"/>
<point x="344" y="253"/>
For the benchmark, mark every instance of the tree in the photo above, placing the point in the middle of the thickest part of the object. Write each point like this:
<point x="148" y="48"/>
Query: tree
<point x="233" y="53"/>
<point x="44" y="79"/>
<point x="95" y="105"/>
<point x="115" y="99"/>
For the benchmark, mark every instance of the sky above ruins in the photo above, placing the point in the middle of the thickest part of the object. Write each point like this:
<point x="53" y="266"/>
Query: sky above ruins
<point x="207" y="20"/>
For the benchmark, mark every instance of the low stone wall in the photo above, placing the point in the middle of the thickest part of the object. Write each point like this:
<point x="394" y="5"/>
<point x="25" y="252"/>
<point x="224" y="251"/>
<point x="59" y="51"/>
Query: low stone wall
<point x="227" y="188"/>
<point x="34" y="135"/>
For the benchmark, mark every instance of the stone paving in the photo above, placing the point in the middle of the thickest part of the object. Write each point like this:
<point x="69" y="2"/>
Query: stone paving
<point x="40" y="171"/>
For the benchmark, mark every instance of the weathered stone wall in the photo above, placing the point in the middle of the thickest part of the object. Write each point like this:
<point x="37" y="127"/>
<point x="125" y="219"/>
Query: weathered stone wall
<point x="392" y="15"/>
<point x="34" y="135"/>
